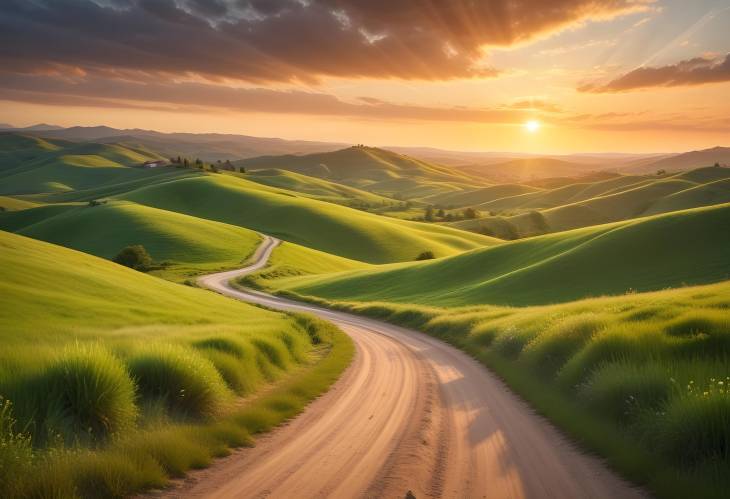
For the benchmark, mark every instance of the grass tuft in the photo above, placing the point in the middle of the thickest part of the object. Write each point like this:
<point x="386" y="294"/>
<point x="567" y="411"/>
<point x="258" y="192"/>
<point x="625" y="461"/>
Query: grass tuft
<point x="186" y="381"/>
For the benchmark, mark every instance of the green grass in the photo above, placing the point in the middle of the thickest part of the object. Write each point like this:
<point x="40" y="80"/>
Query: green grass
<point x="119" y="380"/>
<point x="317" y="188"/>
<point x="327" y="227"/>
<point x="674" y="249"/>
<point x="641" y="379"/>
<point x="187" y="245"/>
<point x="8" y="203"/>
<point x="585" y="204"/>
<point x="376" y="170"/>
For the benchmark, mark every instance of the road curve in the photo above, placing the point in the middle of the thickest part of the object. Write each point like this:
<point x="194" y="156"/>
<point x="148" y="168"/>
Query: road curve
<point x="410" y="413"/>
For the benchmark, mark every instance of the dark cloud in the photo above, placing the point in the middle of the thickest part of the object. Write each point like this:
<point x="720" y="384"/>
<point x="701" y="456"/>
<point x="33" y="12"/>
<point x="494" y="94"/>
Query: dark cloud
<point x="197" y="97"/>
<point x="697" y="71"/>
<point x="282" y="40"/>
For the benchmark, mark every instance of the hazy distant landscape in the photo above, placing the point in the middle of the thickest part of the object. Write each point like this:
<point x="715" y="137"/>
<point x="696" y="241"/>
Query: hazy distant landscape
<point x="403" y="250"/>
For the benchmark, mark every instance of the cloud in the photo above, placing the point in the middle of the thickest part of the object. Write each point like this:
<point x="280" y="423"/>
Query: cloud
<point x="283" y="40"/>
<point x="94" y="91"/>
<point x="534" y="105"/>
<point x="696" y="71"/>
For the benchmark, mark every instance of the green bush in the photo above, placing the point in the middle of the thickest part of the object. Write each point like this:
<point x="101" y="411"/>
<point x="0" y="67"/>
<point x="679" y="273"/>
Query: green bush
<point x="135" y="257"/>
<point x="426" y="255"/>
<point x="16" y="453"/>
<point x="86" y="392"/>
<point x="187" y="383"/>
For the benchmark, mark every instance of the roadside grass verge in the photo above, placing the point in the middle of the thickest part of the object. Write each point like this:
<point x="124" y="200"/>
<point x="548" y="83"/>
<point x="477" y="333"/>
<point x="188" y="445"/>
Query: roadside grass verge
<point x="112" y="381"/>
<point x="148" y="456"/>
<point x="640" y="379"/>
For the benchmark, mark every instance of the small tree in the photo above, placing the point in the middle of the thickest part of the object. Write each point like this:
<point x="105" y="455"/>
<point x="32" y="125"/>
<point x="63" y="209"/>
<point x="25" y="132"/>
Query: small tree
<point x="440" y="213"/>
<point x="661" y="172"/>
<point x="428" y="216"/>
<point x="135" y="257"/>
<point x="471" y="213"/>
<point x="242" y="169"/>
<point x="426" y="255"/>
<point x="716" y="165"/>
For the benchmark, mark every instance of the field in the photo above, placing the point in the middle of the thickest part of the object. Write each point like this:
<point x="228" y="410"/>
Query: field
<point x="134" y="367"/>
<point x="640" y="379"/>
<point x="621" y="257"/>
<point x="327" y="227"/>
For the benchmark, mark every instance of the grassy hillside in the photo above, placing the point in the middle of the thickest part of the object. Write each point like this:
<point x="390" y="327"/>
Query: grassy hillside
<point x="8" y="203"/>
<point x="369" y="168"/>
<point x="685" y="247"/>
<point x="640" y="379"/>
<point x="184" y="243"/>
<point x="584" y="204"/>
<point x="317" y="188"/>
<point x="31" y="165"/>
<point x="684" y="161"/>
<point x="324" y="226"/>
<point x="118" y="380"/>
<point x="479" y="196"/>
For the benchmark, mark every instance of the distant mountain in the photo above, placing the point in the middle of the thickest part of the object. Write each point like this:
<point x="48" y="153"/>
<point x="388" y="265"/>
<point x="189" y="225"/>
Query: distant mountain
<point x="684" y="161"/>
<point x="40" y="127"/>
<point x="207" y="146"/>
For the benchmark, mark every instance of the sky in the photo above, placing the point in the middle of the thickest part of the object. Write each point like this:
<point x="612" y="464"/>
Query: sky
<point x="553" y="76"/>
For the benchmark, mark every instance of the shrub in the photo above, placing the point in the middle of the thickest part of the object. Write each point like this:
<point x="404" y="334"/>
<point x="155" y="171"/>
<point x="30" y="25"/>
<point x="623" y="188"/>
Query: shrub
<point x="87" y="392"/>
<point x="187" y="383"/>
<point x="426" y="255"/>
<point x="135" y="257"/>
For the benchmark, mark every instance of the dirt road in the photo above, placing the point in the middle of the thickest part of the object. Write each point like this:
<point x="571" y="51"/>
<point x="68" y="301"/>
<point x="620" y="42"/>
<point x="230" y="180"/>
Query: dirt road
<point x="410" y="414"/>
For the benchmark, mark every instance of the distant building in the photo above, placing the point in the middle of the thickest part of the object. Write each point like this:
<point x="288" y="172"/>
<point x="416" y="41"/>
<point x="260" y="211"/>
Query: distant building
<point x="154" y="163"/>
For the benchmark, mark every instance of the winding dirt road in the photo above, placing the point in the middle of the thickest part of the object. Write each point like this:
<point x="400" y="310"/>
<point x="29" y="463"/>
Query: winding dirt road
<point x="410" y="414"/>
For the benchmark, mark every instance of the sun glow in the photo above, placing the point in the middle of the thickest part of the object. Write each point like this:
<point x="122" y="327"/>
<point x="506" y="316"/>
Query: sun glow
<point x="532" y="126"/>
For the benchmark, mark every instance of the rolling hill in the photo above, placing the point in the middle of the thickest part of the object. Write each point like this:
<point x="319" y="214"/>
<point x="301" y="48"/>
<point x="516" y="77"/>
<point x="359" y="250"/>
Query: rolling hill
<point x="680" y="248"/>
<point x="317" y="188"/>
<point x="521" y="170"/>
<point x="182" y="241"/>
<point x="684" y="161"/>
<point x="316" y="224"/>
<point x="369" y="168"/>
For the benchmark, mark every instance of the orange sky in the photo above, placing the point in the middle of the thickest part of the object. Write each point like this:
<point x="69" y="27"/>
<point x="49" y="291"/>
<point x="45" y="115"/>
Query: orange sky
<point x="607" y="75"/>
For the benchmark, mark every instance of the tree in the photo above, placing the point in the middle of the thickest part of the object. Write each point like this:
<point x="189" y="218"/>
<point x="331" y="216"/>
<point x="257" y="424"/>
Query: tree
<point x="135" y="257"/>
<point x="471" y="213"/>
<point x="716" y="165"/>
<point x="440" y="213"/>
<point x="186" y="163"/>
<point x="661" y="172"/>
<point x="426" y="255"/>
<point x="242" y="170"/>
<point x="428" y="216"/>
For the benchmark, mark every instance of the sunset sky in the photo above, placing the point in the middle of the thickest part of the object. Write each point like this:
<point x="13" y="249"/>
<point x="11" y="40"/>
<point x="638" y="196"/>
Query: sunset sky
<point x="590" y="75"/>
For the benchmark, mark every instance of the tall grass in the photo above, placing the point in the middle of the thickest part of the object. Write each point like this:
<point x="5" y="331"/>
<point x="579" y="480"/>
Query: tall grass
<point x="641" y="378"/>
<point x="185" y="381"/>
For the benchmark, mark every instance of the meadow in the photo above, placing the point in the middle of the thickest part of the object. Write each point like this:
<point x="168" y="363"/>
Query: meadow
<point x="641" y="379"/>
<point x="113" y="381"/>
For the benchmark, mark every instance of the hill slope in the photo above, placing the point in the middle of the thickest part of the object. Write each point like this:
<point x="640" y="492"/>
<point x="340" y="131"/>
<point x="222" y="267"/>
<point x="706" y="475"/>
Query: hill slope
<point x="369" y="168"/>
<point x="324" y="226"/>
<point x="168" y="236"/>
<point x="685" y="247"/>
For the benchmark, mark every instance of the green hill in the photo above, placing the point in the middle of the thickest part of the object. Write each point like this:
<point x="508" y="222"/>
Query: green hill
<point x="369" y="168"/>
<point x="35" y="166"/>
<point x="316" y="187"/>
<point x="684" y="247"/>
<point x="179" y="240"/>
<point x="324" y="226"/>
<point x="479" y="196"/>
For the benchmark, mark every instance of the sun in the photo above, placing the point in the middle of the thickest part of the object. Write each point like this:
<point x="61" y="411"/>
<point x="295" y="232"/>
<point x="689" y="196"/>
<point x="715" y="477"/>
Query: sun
<point x="532" y="126"/>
